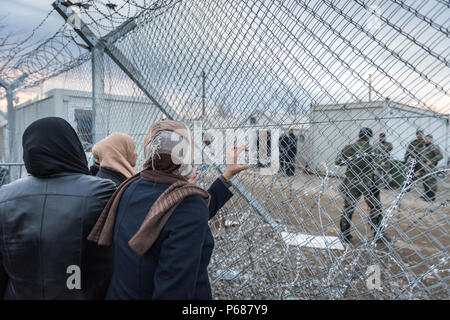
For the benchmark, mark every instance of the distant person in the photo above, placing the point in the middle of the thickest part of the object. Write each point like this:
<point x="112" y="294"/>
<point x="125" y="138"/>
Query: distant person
<point x="3" y="176"/>
<point x="360" y="181"/>
<point x="291" y="153"/>
<point x="415" y="147"/>
<point x="264" y="141"/>
<point x="284" y="149"/>
<point x="44" y="253"/>
<point x="117" y="156"/>
<point x="430" y="156"/>
<point x="158" y="222"/>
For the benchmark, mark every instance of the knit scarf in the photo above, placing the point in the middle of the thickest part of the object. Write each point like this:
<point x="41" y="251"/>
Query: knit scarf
<point x="157" y="216"/>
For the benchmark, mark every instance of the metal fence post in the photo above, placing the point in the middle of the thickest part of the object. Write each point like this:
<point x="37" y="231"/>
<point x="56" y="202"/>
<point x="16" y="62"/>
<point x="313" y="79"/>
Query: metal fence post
<point x="11" y="115"/>
<point x="136" y="76"/>
<point x="99" y="107"/>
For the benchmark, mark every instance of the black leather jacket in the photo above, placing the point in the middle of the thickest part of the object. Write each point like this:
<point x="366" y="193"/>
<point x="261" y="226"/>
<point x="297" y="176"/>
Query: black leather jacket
<point x="114" y="176"/>
<point x="44" y="223"/>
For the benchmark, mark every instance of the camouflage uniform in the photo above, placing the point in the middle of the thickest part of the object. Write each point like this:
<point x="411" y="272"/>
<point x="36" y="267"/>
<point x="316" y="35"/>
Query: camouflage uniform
<point x="359" y="181"/>
<point x="432" y="153"/>
<point x="383" y="151"/>
<point x="414" y="150"/>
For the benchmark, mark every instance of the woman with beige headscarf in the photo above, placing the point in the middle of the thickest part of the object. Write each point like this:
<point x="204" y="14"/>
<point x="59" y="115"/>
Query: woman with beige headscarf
<point x="117" y="156"/>
<point x="157" y="221"/>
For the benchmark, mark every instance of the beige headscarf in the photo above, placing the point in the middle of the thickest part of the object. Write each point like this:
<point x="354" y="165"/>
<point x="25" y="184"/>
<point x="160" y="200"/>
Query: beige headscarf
<point x="162" y="139"/>
<point x="159" y="168"/>
<point x="116" y="152"/>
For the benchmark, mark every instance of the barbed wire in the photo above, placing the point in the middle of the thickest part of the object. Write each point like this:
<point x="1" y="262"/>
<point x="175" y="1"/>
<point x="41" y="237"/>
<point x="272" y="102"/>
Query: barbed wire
<point x="271" y="65"/>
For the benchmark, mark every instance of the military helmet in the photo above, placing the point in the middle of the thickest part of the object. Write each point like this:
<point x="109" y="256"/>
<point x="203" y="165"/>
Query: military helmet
<point x="419" y="132"/>
<point x="365" y="133"/>
<point x="382" y="134"/>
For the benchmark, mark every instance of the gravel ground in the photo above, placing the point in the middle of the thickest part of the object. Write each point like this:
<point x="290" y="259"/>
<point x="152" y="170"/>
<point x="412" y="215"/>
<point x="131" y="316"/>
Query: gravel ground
<point x="251" y="260"/>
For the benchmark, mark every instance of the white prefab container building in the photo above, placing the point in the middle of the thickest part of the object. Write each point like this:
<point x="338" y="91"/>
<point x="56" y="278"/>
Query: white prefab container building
<point x="133" y="116"/>
<point x="335" y="126"/>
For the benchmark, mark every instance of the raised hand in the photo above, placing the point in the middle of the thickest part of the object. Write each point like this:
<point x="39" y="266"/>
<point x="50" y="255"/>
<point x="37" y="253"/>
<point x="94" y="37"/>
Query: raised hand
<point x="233" y="167"/>
<point x="195" y="176"/>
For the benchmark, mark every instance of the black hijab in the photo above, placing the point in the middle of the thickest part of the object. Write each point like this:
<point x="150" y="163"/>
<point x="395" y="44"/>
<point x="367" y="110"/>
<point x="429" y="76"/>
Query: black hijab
<point x="51" y="145"/>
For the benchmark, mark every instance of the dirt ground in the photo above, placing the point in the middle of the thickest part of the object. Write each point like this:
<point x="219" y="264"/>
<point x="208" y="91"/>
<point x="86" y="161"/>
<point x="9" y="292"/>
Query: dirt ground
<point x="251" y="261"/>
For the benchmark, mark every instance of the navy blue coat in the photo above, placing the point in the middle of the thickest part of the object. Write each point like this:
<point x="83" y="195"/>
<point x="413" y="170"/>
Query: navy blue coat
<point x="175" y="267"/>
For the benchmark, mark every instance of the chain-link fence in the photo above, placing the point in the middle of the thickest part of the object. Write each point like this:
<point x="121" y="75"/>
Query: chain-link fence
<point x="305" y="76"/>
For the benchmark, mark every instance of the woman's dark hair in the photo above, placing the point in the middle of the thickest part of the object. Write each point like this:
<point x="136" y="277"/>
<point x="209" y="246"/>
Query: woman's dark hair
<point x="50" y="146"/>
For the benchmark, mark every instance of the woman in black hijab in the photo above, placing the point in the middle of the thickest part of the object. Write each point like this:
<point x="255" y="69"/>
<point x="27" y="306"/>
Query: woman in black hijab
<point x="44" y="253"/>
<point x="50" y="146"/>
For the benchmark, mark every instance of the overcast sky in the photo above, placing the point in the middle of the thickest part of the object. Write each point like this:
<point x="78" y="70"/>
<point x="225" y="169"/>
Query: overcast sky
<point x="21" y="16"/>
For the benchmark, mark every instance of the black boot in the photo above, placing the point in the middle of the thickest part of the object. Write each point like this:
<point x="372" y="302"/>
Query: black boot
<point x="345" y="230"/>
<point x="430" y="196"/>
<point x="346" y="237"/>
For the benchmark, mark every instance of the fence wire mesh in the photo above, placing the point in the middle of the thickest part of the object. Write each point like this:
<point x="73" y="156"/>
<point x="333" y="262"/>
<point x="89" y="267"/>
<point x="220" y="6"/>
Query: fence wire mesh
<point x="322" y="69"/>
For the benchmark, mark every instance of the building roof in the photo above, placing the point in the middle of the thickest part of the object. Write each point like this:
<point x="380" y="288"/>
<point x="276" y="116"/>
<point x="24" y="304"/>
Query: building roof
<point x="80" y="94"/>
<point x="279" y="119"/>
<point x="376" y="104"/>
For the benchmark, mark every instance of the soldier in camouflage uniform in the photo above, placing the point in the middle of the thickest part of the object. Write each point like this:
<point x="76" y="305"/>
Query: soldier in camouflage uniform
<point x="360" y="181"/>
<point x="429" y="158"/>
<point x="383" y="151"/>
<point x="3" y="176"/>
<point x="413" y="151"/>
<point x="415" y="147"/>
